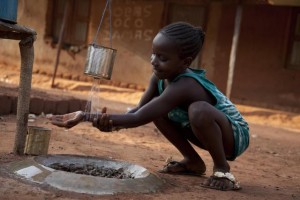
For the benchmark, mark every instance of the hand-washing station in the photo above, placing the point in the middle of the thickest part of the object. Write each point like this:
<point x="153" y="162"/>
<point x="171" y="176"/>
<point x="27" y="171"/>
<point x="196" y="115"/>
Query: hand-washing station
<point x="85" y="174"/>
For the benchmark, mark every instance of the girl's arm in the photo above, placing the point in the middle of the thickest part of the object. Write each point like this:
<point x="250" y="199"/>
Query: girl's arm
<point x="174" y="95"/>
<point x="150" y="93"/>
<point x="72" y="119"/>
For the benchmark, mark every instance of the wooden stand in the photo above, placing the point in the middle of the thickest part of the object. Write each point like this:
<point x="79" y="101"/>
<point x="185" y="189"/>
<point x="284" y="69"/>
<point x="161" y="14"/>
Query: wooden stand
<point x="27" y="37"/>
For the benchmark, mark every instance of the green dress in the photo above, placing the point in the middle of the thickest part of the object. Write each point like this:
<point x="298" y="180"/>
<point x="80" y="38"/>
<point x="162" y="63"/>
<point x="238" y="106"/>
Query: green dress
<point x="239" y="125"/>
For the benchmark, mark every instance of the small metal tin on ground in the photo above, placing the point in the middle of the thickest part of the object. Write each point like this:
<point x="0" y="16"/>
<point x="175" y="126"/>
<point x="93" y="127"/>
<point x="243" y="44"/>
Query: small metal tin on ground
<point x="37" y="140"/>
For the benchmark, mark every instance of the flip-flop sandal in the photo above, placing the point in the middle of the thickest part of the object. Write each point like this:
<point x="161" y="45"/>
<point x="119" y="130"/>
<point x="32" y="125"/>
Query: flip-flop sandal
<point x="228" y="176"/>
<point x="178" y="168"/>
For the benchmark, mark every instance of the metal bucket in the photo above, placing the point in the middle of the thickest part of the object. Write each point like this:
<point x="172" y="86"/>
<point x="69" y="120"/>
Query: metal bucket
<point x="37" y="140"/>
<point x="8" y="10"/>
<point x="100" y="61"/>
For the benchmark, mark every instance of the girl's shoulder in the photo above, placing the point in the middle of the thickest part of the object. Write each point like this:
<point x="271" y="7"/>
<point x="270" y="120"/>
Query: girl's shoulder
<point x="190" y="73"/>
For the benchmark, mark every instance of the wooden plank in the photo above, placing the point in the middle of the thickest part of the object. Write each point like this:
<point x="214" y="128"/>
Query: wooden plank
<point x="15" y="28"/>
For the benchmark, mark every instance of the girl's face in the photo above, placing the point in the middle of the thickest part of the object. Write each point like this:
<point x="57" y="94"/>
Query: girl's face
<point x="165" y="58"/>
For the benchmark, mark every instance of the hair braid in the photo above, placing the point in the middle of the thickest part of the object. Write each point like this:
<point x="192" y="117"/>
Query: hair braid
<point x="189" y="38"/>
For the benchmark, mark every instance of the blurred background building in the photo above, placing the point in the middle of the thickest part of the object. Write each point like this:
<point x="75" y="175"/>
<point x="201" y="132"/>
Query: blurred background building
<point x="267" y="58"/>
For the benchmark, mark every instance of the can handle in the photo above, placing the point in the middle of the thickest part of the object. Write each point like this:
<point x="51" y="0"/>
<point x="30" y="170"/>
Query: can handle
<point x="108" y="3"/>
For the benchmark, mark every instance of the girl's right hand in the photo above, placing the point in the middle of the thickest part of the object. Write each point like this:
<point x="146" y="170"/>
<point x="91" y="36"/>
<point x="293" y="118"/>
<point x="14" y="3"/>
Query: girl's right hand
<point x="103" y="121"/>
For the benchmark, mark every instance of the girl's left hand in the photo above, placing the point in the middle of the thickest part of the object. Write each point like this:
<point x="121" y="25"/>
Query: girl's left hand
<point x="67" y="120"/>
<point x="103" y="122"/>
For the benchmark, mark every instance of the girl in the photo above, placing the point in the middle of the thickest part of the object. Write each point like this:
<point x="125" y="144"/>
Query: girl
<point x="186" y="108"/>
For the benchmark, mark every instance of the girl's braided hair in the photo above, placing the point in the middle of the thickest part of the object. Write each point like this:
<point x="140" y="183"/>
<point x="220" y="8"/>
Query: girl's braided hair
<point x="189" y="38"/>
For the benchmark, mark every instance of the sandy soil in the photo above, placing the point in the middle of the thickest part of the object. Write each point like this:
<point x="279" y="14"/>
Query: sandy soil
<point x="269" y="169"/>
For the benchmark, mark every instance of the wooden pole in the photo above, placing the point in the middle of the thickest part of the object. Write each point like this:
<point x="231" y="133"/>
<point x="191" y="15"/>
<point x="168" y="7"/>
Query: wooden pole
<point x="235" y="39"/>
<point x="27" y="37"/>
<point x="27" y="56"/>
<point x="60" y="39"/>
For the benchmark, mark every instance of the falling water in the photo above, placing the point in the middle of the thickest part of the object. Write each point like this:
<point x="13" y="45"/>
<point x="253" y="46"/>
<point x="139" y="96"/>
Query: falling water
<point x="93" y="101"/>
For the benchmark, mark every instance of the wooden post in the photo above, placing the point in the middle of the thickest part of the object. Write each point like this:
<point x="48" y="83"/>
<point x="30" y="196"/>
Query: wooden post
<point x="60" y="39"/>
<point x="235" y="39"/>
<point x="27" y="55"/>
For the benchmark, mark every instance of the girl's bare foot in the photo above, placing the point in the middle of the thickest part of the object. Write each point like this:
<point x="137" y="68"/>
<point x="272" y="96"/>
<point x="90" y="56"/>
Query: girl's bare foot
<point x="184" y="167"/>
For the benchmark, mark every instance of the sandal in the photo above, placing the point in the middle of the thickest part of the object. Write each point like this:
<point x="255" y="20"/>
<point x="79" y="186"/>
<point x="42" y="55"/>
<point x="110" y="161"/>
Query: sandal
<point x="234" y="185"/>
<point x="178" y="168"/>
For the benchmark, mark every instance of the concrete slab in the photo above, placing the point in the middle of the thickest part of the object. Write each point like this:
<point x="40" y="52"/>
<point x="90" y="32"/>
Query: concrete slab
<point x="36" y="169"/>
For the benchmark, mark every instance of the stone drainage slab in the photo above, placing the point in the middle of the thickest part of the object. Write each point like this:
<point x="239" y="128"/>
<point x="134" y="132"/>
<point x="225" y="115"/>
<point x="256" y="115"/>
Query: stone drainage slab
<point x="36" y="169"/>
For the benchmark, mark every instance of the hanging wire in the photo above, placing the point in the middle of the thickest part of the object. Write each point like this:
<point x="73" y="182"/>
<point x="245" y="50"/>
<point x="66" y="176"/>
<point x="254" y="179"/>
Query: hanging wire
<point x="102" y="17"/>
<point x="110" y="23"/>
<point x="108" y="3"/>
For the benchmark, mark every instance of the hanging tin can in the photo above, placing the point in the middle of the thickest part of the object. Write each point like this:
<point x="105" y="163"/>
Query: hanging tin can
<point x="100" y="61"/>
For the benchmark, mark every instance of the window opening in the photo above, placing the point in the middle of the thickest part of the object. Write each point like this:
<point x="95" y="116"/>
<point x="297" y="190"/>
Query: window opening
<point x="77" y="22"/>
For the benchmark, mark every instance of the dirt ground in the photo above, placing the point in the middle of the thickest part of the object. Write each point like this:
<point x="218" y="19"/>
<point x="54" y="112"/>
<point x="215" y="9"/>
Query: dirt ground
<point x="269" y="169"/>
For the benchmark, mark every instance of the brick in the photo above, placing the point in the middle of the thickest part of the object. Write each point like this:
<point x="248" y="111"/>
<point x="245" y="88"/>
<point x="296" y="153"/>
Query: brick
<point x="132" y="86"/>
<point x="67" y="76"/>
<point x="75" y="77"/>
<point x="83" y="105"/>
<point x="5" y="105"/>
<point x="36" y="106"/>
<point x="74" y="105"/>
<point x="140" y="88"/>
<point x="14" y="104"/>
<point x="62" y="107"/>
<point x="82" y="78"/>
<point x="116" y="83"/>
<point x="124" y="85"/>
<point x="49" y="107"/>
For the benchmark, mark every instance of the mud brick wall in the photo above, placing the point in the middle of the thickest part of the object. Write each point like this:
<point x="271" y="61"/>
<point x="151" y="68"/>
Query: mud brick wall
<point x="8" y="105"/>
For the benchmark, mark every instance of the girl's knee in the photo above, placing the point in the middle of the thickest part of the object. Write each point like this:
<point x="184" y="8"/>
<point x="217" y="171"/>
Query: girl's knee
<point x="200" y="111"/>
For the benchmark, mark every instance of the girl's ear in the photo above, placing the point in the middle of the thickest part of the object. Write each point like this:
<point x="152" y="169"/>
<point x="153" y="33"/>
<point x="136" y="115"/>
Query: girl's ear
<point x="188" y="61"/>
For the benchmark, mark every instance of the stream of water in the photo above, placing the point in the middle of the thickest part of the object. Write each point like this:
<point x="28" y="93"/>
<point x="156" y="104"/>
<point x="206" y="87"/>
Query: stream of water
<point x="93" y="100"/>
